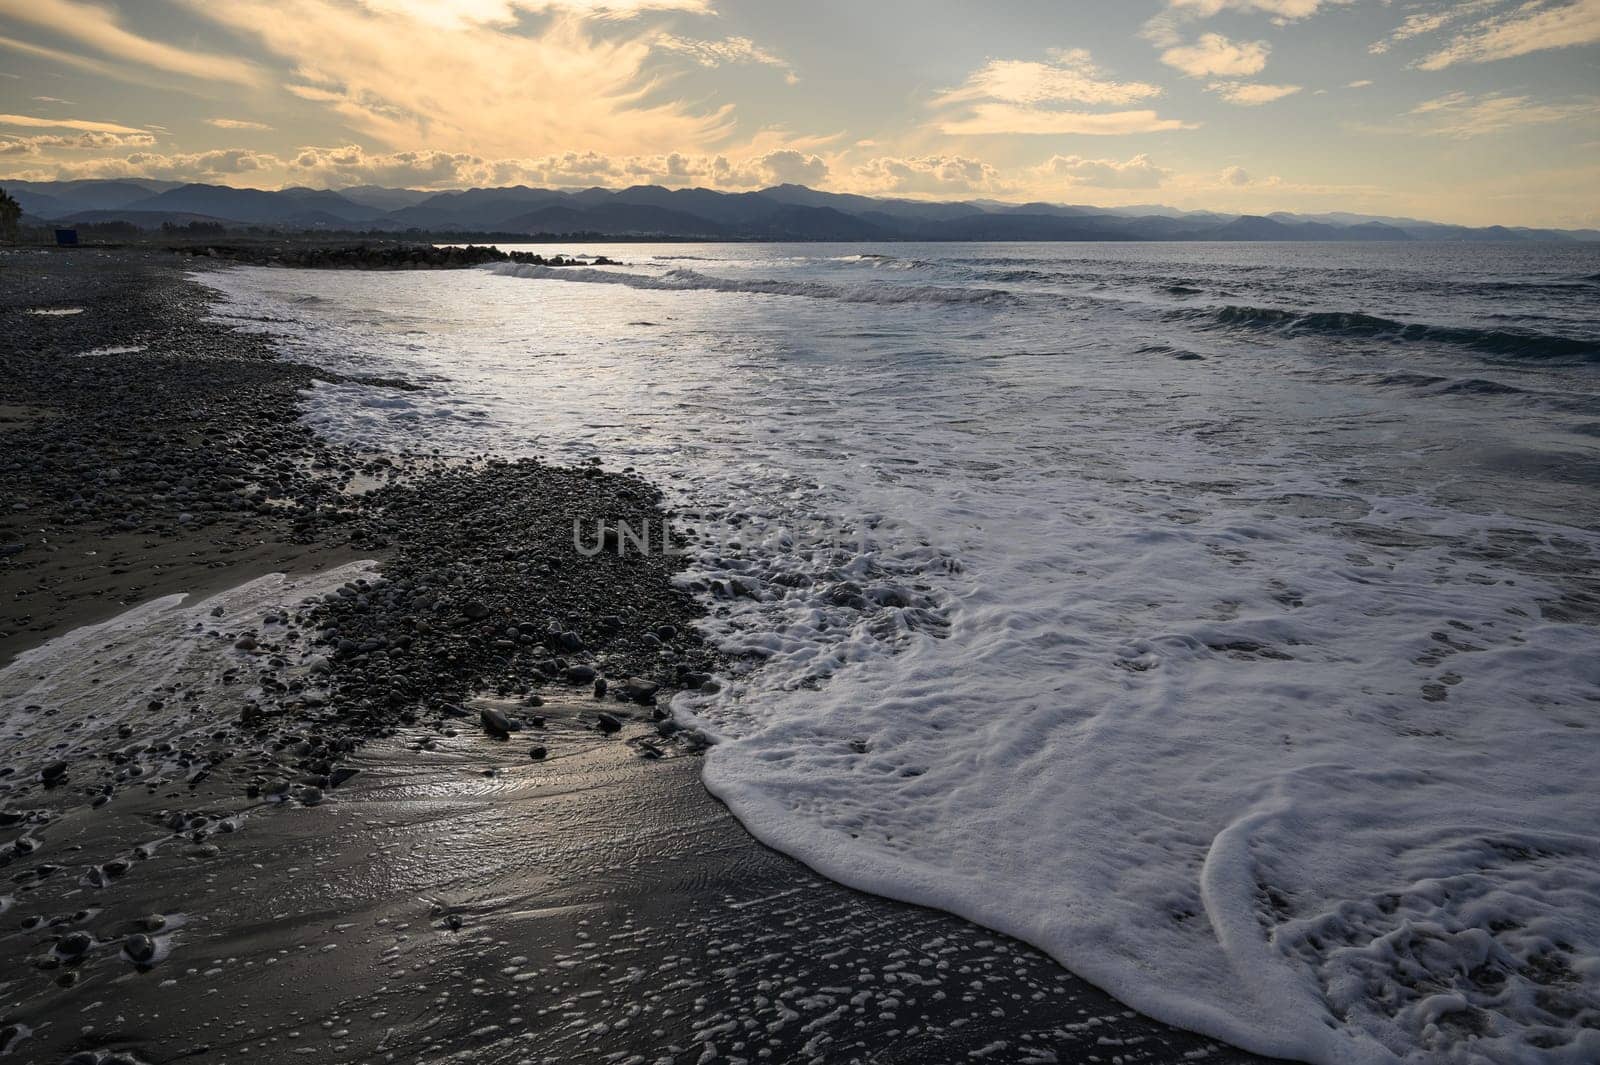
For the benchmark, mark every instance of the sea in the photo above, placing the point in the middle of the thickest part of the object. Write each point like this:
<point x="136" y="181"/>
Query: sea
<point x="1223" y="619"/>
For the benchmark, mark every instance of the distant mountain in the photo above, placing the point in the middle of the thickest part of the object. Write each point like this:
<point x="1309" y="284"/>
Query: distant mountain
<point x="382" y="198"/>
<point x="783" y="212"/>
<point x="57" y="199"/>
<point x="296" y="206"/>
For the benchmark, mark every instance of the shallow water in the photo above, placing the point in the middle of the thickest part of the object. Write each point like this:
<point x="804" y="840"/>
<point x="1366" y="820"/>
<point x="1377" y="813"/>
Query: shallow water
<point x="1220" y="618"/>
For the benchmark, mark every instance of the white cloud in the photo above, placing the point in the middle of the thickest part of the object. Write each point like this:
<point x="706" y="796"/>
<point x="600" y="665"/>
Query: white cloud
<point x="1136" y="173"/>
<point x="76" y="142"/>
<point x="1251" y="94"/>
<point x="1026" y="96"/>
<point x="1361" y="84"/>
<point x="1287" y="10"/>
<point x="1535" y="26"/>
<point x="190" y="166"/>
<point x="1214" y="55"/>
<point x="1070" y="77"/>
<point x="66" y="123"/>
<point x="730" y="51"/>
<point x="459" y="14"/>
<point x="400" y="82"/>
<point x="236" y="123"/>
<point x="928" y="174"/>
<point x="1463" y="116"/>
<point x="352" y="165"/>
<point x="1422" y="23"/>
<point x="99" y="29"/>
<point x="1010" y="118"/>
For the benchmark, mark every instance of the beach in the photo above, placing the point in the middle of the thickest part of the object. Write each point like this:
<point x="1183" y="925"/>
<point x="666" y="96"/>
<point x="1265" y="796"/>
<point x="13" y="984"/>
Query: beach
<point x="323" y="750"/>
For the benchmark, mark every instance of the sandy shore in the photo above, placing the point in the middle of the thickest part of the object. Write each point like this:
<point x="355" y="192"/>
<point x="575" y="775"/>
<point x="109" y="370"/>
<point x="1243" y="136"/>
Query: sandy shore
<point x="379" y="811"/>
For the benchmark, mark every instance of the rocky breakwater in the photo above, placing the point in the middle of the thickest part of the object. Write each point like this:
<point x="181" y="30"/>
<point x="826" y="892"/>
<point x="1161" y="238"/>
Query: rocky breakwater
<point x="379" y="256"/>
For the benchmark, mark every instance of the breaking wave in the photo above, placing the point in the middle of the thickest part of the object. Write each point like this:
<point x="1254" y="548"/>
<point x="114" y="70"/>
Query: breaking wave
<point x="1353" y="324"/>
<point x="681" y="280"/>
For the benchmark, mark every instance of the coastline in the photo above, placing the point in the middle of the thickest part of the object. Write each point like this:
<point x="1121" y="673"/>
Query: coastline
<point x="514" y="853"/>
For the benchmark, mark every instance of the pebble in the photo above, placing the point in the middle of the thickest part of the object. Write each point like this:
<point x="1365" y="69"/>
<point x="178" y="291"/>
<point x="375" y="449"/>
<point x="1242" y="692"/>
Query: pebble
<point x="495" y="722"/>
<point x="140" y="947"/>
<point x="609" y="723"/>
<point x="74" y="944"/>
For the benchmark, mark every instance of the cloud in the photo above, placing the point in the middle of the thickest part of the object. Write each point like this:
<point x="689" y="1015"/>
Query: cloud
<point x="1422" y="23"/>
<point x="1214" y="55"/>
<point x="236" y="123"/>
<point x="352" y="165"/>
<point x="1361" y="84"/>
<point x="1136" y="173"/>
<point x="99" y="29"/>
<point x="1236" y="176"/>
<point x="1008" y="118"/>
<point x="189" y="166"/>
<point x="928" y="174"/>
<point x="457" y="14"/>
<point x="1463" y="116"/>
<point x="1535" y="26"/>
<point x="1285" y="10"/>
<point x="1251" y="94"/>
<point x="1165" y="30"/>
<point x="730" y="51"/>
<point x="1026" y="96"/>
<point x="66" y="123"/>
<point x="788" y="166"/>
<point x="78" y="142"/>
<point x="1070" y="77"/>
<point x="400" y="81"/>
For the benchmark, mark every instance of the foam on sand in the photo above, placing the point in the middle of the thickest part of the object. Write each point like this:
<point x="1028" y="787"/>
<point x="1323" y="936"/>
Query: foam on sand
<point x="65" y="695"/>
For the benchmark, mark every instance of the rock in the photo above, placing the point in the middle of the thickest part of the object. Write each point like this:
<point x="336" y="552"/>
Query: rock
<point x="609" y="723"/>
<point x="640" y="690"/>
<point x="537" y="753"/>
<point x="495" y="722"/>
<point x="53" y="773"/>
<point x="74" y="944"/>
<point x="475" y="611"/>
<point x="140" y="947"/>
<point x="599" y="687"/>
<point x="580" y="674"/>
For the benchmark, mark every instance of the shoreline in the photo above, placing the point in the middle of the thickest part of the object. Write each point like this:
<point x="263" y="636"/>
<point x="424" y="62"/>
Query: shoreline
<point x="375" y="704"/>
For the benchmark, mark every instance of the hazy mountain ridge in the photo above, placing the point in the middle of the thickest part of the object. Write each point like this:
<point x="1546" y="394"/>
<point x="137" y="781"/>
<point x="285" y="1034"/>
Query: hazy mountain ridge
<point x="784" y="212"/>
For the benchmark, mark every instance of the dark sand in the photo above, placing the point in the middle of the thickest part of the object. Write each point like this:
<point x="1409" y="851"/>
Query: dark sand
<point x="454" y="898"/>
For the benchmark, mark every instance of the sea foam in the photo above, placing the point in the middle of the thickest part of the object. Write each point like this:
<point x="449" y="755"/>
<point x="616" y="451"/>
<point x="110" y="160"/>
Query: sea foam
<point x="1252" y="687"/>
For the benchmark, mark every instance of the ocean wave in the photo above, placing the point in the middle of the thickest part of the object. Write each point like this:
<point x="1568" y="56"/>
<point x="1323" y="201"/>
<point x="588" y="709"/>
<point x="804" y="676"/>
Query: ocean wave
<point x="682" y="280"/>
<point x="1353" y="324"/>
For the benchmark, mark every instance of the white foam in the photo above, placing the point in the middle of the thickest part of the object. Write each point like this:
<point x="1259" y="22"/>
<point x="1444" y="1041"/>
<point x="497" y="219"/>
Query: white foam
<point x="1244" y="689"/>
<point x="61" y="698"/>
<point x="688" y="280"/>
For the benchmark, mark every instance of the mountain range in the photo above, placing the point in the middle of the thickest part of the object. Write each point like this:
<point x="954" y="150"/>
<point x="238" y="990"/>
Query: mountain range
<point x="784" y="212"/>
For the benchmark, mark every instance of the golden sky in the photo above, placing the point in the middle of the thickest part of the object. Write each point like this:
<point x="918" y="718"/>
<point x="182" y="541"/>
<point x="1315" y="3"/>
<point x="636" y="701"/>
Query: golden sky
<point x="1475" y="111"/>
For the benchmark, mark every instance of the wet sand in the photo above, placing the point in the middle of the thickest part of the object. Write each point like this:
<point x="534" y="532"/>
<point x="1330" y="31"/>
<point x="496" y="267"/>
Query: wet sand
<point x="296" y="838"/>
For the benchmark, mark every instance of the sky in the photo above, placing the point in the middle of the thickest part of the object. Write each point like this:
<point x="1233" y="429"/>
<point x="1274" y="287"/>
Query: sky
<point x="1474" y="111"/>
